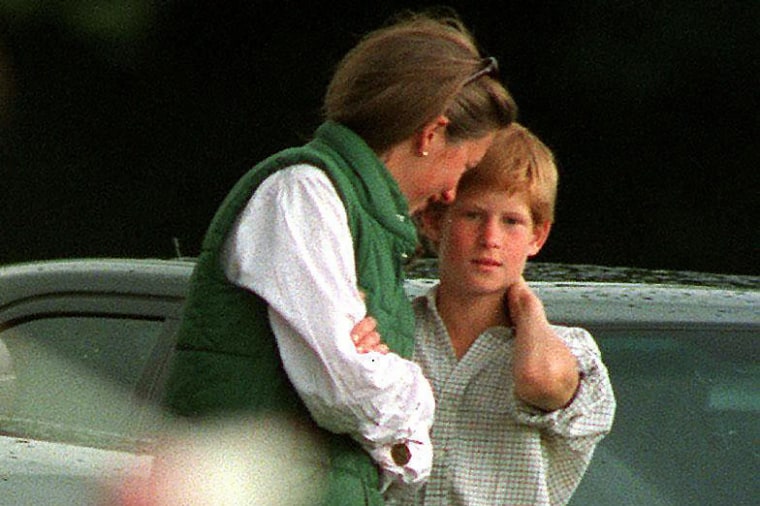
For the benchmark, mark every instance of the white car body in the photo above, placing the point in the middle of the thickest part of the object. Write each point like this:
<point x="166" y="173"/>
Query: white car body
<point x="84" y="346"/>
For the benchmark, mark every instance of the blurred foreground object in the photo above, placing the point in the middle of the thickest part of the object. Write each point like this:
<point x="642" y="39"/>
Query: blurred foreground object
<point x="263" y="461"/>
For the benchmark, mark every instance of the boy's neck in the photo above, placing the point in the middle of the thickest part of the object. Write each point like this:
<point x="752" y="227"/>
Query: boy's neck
<point x="466" y="316"/>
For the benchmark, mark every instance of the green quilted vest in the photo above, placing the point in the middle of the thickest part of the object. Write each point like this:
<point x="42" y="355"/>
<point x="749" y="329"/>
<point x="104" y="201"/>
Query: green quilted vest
<point x="226" y="359"/>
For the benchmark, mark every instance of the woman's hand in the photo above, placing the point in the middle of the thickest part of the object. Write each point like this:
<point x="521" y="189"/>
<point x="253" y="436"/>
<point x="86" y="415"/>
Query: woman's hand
<point x="366" y="338"/>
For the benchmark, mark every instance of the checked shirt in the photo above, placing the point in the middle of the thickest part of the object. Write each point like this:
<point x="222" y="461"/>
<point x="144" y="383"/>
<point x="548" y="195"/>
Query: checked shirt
<point x="489" y="447"/>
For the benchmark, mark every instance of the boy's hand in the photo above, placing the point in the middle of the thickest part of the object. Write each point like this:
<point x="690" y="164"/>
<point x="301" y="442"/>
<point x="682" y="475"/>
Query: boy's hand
<point x="525" y="308"/>
<point x="366" y="338"/>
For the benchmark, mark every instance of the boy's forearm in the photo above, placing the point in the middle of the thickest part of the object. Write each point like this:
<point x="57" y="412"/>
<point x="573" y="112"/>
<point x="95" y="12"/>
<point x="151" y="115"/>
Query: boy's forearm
<point x="545" y="371"/>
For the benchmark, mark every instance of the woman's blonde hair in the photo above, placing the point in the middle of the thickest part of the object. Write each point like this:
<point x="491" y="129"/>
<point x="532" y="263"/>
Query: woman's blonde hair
<point x="402" y="76"/>
<point x="517" y="162"/>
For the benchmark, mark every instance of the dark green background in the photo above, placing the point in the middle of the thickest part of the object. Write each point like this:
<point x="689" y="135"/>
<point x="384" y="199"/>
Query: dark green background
<point x="123" y="123"/>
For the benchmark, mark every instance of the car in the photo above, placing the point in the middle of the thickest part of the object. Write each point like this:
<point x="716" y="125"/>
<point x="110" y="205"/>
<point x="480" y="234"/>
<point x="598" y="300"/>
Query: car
<point x="85" y="345"/>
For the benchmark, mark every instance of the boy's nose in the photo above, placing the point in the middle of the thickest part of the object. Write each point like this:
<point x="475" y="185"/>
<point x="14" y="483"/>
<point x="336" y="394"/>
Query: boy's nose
<point x="490" y="235"/>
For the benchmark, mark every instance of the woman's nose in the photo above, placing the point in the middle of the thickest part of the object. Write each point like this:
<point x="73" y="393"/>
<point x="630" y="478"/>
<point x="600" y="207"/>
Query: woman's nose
<point x="448" y="196"/>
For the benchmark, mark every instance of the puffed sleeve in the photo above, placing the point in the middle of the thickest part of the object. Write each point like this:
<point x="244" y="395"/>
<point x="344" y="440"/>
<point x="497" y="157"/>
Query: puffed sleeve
<point x="590" y="414"/>
<point x="293" y="247"/>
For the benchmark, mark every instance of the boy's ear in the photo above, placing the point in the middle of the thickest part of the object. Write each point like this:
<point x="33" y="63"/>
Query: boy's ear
<point x="540" y="235"/>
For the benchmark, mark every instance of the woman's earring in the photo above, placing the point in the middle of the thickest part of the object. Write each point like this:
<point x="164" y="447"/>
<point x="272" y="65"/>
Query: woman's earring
<point x="424" y="153"/>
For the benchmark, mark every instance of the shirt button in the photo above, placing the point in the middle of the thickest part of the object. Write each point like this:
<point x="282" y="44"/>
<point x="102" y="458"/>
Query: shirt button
<point x="401" y="454"/>
<point x="401" y="217"/>
<point x="404" y="256"/>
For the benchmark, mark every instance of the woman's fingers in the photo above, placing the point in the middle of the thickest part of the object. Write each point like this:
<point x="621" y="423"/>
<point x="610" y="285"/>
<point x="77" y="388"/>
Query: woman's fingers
<point x="366" y="338"/>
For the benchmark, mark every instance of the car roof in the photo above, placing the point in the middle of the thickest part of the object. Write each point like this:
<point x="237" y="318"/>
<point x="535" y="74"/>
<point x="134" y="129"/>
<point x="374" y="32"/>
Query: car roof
<point x="611" y="304"/>
<point x="571" y="293"/>
<point x="550" y="271"/>
<point x="95" y="275"/>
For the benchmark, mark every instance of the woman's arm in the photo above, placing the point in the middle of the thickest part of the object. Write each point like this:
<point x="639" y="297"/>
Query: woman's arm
<point x="293" y="247"/>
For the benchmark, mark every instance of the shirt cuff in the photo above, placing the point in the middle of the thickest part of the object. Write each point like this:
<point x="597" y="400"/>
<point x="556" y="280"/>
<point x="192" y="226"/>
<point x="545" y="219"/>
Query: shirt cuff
<point x="406" y="463"/>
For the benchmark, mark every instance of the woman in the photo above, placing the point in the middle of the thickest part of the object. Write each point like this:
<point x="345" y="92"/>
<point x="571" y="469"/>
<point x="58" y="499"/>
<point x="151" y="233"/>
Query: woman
<point x="314" y="238"/>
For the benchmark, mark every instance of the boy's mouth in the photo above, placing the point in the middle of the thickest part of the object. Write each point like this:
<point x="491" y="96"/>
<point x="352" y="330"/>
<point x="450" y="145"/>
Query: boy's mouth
<point x="487" y="262"/>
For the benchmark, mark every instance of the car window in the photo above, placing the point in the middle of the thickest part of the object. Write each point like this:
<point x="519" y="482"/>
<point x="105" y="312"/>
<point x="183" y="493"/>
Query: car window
<point x="74" y="377"/>
<point x="686" y="428"/>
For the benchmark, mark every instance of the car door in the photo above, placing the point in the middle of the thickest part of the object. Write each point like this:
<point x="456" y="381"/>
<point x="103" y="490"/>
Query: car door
<point x="80" y="362"/>
<point x="685" y="366"/>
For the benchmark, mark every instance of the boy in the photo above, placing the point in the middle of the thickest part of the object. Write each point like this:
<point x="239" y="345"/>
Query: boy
<point x="520" y="403"/>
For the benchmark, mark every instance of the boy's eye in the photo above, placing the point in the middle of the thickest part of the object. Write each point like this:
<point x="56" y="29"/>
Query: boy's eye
<point x="513" y="220"/>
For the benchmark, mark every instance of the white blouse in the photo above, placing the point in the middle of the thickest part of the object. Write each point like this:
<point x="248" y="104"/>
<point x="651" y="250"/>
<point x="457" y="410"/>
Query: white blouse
<point x="292" y="246"/>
